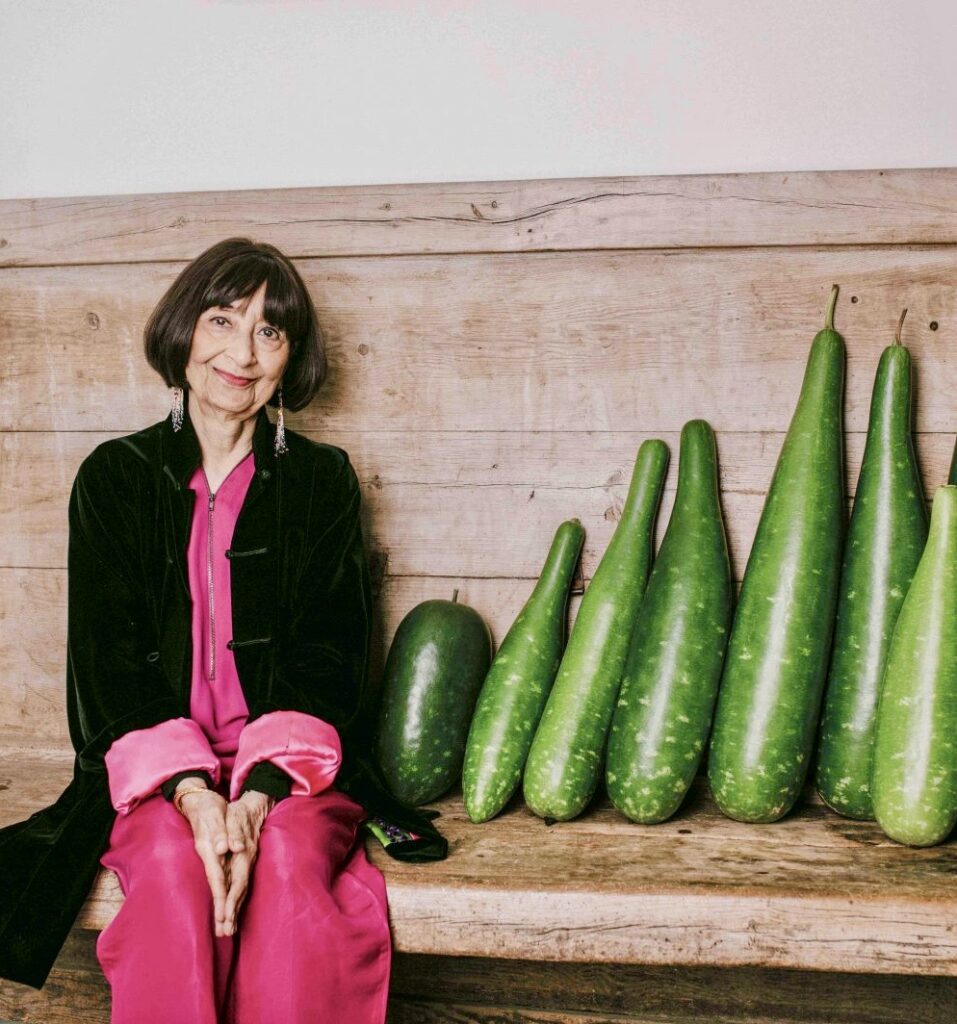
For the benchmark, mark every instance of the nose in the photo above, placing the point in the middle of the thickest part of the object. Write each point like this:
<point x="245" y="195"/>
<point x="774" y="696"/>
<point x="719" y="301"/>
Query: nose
<point x="242" y="348"/>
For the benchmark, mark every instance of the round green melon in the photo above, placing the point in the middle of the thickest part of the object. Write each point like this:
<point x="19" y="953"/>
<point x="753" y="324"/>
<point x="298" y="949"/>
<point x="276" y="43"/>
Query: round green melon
<point x="434" y="671"/>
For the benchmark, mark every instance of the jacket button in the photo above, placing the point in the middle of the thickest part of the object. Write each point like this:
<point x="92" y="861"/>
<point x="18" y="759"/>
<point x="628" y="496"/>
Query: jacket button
<point x="153" y="656"/>
<point x="264" y="473"/>
<point x="230" y="644"/>
<point x="229" y="552"/>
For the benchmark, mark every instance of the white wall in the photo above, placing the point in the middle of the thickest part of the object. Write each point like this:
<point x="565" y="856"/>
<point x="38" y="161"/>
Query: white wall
<point x="117" y="96"/>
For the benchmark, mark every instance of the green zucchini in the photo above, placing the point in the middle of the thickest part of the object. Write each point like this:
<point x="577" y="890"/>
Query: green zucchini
<point x="433" y="673"/>
<point x="778" y="652"/>
<point x="915" y="753"/>
<point x="885" y="539"/>
<point x="670" y="681"/>
<point x="565" y="758"/>
<point x="513" y="695"/>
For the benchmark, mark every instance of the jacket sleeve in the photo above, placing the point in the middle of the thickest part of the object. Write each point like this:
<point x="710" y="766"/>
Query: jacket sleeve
<point x="140" y="761"/>
<point x="305" y="748"/>
<point x="168" y="788"/>
<point x="264" y="777"/>
<point x="114" y="679"/>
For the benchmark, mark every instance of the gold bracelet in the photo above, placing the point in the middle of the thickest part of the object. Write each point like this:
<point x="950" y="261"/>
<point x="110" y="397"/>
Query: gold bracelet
<point x="180" y="793"/>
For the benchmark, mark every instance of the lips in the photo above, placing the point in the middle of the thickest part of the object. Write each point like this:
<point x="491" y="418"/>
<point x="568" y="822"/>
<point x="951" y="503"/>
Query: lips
<point x="236" y="382"/>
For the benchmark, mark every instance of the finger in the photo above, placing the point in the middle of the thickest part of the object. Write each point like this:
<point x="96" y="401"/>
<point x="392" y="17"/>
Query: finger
<point x="216" y="876"/>
<point x="219" y="835"/>
<point x="239" y="878"/>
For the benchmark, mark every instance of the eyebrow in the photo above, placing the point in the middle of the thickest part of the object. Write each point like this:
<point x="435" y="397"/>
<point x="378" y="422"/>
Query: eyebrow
<point x="233" y="309"/>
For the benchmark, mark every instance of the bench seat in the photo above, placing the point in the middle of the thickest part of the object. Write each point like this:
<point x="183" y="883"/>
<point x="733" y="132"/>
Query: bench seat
<point x="813" y="891"/>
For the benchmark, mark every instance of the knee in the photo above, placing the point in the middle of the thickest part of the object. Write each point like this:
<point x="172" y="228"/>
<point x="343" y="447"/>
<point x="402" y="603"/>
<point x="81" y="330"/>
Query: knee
<point x="168" y="863"/>
<point x="304" y="837"/>
<point x="284" y="855"/>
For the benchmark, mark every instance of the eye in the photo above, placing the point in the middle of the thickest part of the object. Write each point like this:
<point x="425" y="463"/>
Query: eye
<point x="273" y="338"/>
<point x="215" y="318"/>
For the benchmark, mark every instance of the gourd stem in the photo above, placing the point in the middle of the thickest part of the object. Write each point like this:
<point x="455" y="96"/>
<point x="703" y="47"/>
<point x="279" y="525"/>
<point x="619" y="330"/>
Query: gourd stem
<point x="900" y="324"/>
<point x="455" y="595"/>
<point x="829" y="314"/>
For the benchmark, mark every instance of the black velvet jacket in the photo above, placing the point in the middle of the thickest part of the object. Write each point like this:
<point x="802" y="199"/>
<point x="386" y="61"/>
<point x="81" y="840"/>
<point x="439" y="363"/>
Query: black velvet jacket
<point x="301" y="600"/>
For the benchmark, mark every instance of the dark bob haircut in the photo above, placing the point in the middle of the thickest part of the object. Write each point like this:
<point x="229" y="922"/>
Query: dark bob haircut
<point x="229" y="270"/>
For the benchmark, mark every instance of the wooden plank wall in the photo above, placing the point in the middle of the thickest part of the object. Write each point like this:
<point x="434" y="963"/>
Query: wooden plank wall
<point x="498" y="351"/>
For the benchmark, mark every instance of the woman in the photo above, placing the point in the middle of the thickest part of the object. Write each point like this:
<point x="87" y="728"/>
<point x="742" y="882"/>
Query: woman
<point x="218" y="701"/>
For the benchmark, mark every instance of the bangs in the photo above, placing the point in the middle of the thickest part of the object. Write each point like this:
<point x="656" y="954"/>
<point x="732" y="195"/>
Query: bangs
<point x="241" y="276"/>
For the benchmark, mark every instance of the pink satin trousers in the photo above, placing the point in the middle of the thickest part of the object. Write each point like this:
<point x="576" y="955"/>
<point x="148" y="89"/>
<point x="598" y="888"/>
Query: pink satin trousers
<point x="312" y="944"/>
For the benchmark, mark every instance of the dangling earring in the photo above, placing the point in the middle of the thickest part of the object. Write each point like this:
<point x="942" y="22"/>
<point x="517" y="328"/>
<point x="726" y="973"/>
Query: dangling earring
<point x="177" y="411"/>
<point x="279" y="445"/>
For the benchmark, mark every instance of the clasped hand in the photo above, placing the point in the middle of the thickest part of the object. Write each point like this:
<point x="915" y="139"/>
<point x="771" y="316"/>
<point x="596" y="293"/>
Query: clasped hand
<point x="226" y="837"/>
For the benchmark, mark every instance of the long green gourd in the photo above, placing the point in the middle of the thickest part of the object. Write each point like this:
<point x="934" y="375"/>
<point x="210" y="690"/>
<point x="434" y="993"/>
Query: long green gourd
<point x="775" y="668"/>
<point x="565" y="759"/>
<point x="915" y="751"/>
<point x="518" y="683"/>
<point x="670" y="681"/>
<point x="885" y="539"/>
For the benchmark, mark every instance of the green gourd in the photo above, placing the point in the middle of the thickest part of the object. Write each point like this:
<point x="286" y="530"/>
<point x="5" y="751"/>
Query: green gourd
<point x="565" y="759"/>
<point x="776" y="664"/>
<point x="437" y="661"/>
<point x="670" y="682"/>
<point x="885" y="539"/>
<point x="914" y="781"/>
<point x="518" y="683"/>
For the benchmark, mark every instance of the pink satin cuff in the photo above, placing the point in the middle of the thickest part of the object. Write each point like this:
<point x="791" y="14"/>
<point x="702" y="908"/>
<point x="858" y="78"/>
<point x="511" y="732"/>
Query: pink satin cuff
<point x="140" y="761"/>
<point x="305" y="747"/>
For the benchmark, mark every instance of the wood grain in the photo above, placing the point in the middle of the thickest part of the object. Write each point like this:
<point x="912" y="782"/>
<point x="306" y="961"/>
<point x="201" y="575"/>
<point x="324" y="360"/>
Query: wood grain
<point x="436" y="503"/>
<point x="812" y="892"/>
<point x="482" y="990"/>
<point x="616" y="341"/>
<point x="623" y="212"/>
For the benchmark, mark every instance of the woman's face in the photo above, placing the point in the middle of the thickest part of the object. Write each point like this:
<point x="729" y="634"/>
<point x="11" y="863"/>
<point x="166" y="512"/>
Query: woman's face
<point x="236" y="358"/>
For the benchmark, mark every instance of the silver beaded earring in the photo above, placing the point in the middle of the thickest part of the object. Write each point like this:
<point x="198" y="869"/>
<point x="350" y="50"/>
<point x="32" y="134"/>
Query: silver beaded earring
<point x="177" y="411"/>
<point x="279" y="445"/>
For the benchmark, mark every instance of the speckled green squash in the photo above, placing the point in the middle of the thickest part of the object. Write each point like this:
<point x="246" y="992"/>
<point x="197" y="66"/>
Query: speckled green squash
<point x="565" y="759"/>
<point x="670" y="682"/>
<point x="885" y="540"/>
<point x="915" y="752"/>
<point x="433" y="673"/>
<point x="523" y="670"/>
<point x="770" y="695"/>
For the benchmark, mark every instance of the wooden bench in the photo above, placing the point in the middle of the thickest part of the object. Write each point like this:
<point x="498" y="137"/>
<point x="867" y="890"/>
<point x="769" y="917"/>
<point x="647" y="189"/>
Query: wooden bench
<point x="499" y="350"/>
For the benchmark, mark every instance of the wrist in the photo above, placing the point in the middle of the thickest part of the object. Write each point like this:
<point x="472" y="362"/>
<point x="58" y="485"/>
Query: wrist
<point x="185" y="792"/>
<point x="256" y="797"/>
<point x="190" y="782"/>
